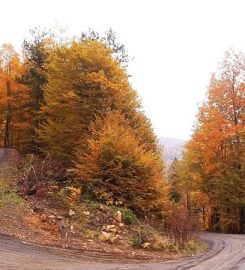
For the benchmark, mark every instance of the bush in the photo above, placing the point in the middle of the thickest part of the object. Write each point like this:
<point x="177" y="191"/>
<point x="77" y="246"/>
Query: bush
<point x="147" y="234"/>
<point x="36" y="174"/>
<point x="181" y="224"/>
<point x="118" y="168"/>
<point x="128" y="217"/>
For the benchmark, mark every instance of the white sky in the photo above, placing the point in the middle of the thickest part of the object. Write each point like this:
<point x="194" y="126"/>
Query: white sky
<point x="175" y="45"/>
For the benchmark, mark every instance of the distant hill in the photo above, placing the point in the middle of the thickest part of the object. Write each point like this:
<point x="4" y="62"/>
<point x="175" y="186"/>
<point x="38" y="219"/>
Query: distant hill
<point x="172" y="148"/>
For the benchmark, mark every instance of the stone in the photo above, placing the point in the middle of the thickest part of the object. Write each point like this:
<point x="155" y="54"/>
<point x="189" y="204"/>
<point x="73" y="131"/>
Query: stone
<point x="43" y="218"/>
<point x="86" y="213"/>
<point x="146" y="245"/>
<point x="121" y="225"/>
<point x="110" y="228"/>
<point x="59" y="217"/>
<point x="102" y="207"/>
<point x="118" y="216"/>
<point x="71" y="213"/>
<point x="115" y="239"/>
<point x="117" y="250"/>
<point x="105" y="236"/>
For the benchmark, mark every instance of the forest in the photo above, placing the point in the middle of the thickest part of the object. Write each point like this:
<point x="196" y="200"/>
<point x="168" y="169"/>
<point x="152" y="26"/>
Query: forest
<point x="68" y="107"/>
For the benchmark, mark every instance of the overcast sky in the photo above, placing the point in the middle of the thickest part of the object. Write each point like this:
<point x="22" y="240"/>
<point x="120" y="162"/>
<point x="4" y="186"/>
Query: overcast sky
<point x="175" y="45"/>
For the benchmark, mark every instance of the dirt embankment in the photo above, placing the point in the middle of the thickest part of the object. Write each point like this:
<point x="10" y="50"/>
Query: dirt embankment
<point x="33" y="220"/>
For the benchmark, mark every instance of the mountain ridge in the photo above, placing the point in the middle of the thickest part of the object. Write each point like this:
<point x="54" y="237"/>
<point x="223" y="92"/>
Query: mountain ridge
<point x="172" y="148"/>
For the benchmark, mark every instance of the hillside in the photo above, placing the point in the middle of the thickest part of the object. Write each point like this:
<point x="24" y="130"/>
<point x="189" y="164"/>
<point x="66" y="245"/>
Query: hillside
<point x="172" y="148"/>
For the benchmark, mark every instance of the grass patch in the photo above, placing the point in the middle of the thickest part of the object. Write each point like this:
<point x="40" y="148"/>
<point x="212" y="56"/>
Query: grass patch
<point x="193" y="246"/>
<point x="10" y="196"/>
<point x="8" y="192"/>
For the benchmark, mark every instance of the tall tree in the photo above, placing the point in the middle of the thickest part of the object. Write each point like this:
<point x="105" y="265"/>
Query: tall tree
<point x="85" y="82"/>
<point x="36" y="51"/>
<point x="14" y="97"/>
<point x="218" y="143"/>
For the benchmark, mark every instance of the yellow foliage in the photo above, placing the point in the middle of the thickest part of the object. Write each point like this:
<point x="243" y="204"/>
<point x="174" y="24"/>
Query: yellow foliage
<point x="119" y="170"/>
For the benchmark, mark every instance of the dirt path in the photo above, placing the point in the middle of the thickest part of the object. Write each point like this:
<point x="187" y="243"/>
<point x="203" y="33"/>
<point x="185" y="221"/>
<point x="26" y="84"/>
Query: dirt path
<point x="228" y="252"/>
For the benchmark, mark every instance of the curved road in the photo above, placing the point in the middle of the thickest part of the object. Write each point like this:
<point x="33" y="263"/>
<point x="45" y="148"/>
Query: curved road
<point x="227" y="252"/>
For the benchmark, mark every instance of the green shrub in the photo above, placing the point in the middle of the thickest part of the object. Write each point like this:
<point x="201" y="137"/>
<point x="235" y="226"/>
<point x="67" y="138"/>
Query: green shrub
<point x="128" y="217"/>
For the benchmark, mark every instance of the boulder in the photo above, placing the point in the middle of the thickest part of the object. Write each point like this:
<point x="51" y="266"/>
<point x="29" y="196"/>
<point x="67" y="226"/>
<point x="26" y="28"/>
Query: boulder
<point x="71" y="213"/>
<point x="118" y="216"/>
<point x="146" y="245"/>
<point x="110" y="228"/>
<point x="115" y="239"/>
<point x="86" y="213"/>
<point x="105" y="236"/>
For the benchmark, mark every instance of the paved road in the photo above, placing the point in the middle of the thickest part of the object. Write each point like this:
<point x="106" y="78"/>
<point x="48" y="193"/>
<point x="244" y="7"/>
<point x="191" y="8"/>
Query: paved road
<point x="228" y="252"/>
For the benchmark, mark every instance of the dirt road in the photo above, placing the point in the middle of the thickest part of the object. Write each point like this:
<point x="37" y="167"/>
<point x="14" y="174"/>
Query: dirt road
<point x="228" y="252"/>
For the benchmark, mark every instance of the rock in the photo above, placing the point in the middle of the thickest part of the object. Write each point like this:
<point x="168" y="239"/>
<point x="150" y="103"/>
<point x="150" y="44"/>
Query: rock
<point x="118" y="216"/>
<point x="105" y="236"/>
<point x="43" y="218"/>
<point x="121" y="225"/>
<point x="59" y="217"/>
<point x="71" y="213"/>
<point x="51" y="216"/>
<point x="146" y="245"/>
<point x="115" y="239"/>
<point x="117" y="250"/>
<point x="110" y="228"/>
<point x="86" y="213"/>
<point x="102" y="207"/>
<point x="72" y="229"/>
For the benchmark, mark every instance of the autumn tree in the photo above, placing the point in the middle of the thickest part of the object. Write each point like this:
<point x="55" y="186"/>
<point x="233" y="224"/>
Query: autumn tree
<point x="14" y="116"/>
<point x="218" y="146"/>
<point x="85" y="82"/>
<point x="117" y="169"/>
<point x="109" y="39"/>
